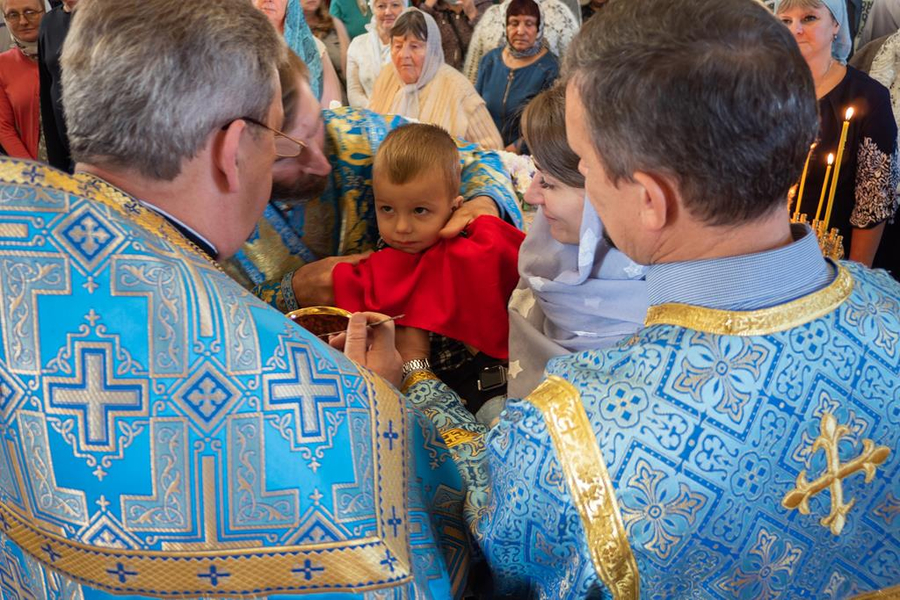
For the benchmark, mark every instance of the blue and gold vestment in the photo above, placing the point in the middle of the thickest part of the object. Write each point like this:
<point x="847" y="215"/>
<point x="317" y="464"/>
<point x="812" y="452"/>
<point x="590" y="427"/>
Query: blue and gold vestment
<point x="717" y="454"/>
<point x="163" y="433"/>
<point x="341" y="220"/>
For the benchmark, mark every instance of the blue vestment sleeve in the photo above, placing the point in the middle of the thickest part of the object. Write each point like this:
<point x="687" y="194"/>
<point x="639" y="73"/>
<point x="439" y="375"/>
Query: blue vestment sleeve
<point x="483" y="174"/>
<point x="518" y="507"/>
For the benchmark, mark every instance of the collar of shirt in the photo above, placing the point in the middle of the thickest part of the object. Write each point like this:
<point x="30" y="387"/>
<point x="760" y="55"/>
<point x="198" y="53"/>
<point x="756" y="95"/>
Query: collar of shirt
<point x="749" y="282"/>
<point x="201" y="242"/>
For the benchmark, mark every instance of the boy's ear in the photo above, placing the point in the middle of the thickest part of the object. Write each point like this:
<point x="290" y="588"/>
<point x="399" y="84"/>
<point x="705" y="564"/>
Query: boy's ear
<point x="457" y="202"/>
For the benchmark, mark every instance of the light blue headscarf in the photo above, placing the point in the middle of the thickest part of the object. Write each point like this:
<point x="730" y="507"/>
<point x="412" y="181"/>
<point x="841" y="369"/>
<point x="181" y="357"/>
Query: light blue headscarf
<point x="299" y="38"/>
<point x="570" y="298"/>
<point x="842" y="45"/>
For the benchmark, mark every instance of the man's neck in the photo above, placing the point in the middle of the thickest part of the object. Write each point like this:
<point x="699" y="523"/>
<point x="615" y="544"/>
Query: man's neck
<point x="165" y="197"/>
<point x="769" y="232"/>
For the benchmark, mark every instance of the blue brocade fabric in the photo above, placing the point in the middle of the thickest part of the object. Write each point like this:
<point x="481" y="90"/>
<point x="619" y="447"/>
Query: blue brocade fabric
<point x="342" y="219"/>
<point x="163" y="433"/>
<point x="758" y="466"/>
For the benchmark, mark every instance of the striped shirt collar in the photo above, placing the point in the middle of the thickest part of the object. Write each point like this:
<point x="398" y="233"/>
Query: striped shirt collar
<point x="748" y="282"/>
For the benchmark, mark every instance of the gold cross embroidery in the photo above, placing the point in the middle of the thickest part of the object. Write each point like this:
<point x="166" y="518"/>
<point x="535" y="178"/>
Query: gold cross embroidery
<point x="835" y="471"/>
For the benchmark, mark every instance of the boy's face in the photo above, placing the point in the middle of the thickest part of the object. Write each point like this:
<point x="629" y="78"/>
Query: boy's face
<point x="411" y="215"/>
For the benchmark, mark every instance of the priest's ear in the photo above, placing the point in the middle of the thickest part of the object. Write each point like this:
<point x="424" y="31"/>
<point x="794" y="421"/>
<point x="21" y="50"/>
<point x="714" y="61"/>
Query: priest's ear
<point x="457" y="202"/>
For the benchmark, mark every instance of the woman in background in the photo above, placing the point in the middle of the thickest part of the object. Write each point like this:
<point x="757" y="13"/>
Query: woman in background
<point x="369" y="52"/>
<point x="287" y="17"/>
<point x="509" y="77"/>
<point x="866" y="195"/>
<point x="329" y="31"/>
<point x="419" y="85"/>
<point x="20" y="102"/>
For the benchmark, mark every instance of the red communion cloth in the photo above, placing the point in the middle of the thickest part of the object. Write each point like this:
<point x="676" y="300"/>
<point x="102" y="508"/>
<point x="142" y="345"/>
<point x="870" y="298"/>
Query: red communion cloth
<point x="459" y="288"/>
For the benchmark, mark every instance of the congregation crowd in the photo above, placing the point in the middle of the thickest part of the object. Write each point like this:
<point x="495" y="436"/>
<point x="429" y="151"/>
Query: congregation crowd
<point x="450" y="299"/>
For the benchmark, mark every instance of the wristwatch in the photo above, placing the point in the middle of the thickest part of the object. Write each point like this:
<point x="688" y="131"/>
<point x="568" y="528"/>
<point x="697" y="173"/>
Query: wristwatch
<point x="417" y="364"/>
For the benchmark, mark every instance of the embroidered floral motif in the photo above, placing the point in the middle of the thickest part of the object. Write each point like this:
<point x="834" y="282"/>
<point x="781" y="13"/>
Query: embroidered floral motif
<point x="770" y="565"/>
<point x="722" y="367"/>
<point x="651" y="514"/>
<point x="877" y="177"/>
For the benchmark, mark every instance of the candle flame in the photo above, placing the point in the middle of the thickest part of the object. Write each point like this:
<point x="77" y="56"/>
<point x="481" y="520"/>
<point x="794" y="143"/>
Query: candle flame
<point x="831" y="157"/>
<point x="849" y="114"/>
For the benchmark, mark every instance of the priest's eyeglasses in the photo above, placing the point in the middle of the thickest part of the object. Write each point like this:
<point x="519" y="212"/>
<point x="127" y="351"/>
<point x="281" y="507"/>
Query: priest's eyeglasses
<point x="285" y="145"/>
<point x="32" y="16"/>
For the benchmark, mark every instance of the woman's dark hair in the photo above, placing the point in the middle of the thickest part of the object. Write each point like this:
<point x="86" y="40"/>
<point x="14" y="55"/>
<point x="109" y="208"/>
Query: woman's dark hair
<point x="413" y="22"/>
<point x="324" y="24"/>
<point x="544" y="128"/>
<point x="523" y="8"/>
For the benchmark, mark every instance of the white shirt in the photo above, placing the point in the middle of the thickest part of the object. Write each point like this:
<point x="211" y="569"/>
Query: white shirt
<point x="365" y="58"/>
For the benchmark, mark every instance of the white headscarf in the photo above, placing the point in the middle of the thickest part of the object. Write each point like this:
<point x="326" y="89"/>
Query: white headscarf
<point x="842" y="45"/>
<point x="375" y="45"/>
<point x="406" y="102"/>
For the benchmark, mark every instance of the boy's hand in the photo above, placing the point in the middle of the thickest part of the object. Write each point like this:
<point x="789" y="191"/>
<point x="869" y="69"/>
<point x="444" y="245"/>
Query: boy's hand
<point x="468" y="212"/>
<point x="313" y="284"/>
<point x="413" y="343"/>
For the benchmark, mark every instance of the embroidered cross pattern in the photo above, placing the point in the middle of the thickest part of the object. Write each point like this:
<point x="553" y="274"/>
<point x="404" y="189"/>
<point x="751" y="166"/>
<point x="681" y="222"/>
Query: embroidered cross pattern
<point x="835" y="472"/>
<point x="121" y="573"/>
<point x="307" y="570"/>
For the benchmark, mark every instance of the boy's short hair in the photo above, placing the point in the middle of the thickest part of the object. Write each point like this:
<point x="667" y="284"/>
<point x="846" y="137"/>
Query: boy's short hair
<point x="417" y="148"/>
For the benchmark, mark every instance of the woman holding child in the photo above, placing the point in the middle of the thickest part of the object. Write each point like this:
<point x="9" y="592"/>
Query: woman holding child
<point x="419" y="85"/>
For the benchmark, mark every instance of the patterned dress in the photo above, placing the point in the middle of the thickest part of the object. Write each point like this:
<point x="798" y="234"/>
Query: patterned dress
<point x="717" y="454"/>
<point x="866" y="194"/>
<point x="163" y="433"/>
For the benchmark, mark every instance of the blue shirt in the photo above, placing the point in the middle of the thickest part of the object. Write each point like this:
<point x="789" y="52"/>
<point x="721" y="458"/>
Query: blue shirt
<point x="507" y="91"/>
<point x="748" y="282"/>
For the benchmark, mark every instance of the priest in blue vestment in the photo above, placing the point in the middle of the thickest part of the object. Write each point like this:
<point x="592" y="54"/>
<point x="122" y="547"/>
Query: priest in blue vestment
<point x="163" y="433"/>
<point x="746" y="442"/>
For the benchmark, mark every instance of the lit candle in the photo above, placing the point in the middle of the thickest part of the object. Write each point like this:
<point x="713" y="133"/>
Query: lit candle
<point x="824" y="186"/>
<point x="799" y="198"/>
<point x="837" y="167"/>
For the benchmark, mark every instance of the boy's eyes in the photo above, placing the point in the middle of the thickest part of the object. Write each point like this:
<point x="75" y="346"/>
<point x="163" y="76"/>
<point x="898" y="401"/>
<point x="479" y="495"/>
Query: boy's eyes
<point x="386" y="209"/>
<point x="420" y="210"/>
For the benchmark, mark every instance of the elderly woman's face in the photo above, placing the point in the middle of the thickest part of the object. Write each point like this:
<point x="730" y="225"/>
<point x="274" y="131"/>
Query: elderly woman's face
<point x="408" y="54"/>
<point x="274" y="10"/>
<point x="813" y="28"/>
<point x="385" y="13"/>
<point x="23" y="17"/>
<point x="521" y="31"/>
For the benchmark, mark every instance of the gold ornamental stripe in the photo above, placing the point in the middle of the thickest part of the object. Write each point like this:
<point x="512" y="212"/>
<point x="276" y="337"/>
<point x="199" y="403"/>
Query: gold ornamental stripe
<point x="417" y="377"/>
<point x="589" y="483"/>
<point x="357" y="565"/>
<point x="891" y="593"/>
<point x="756" y="322"/>
<point x="390" y="469"/>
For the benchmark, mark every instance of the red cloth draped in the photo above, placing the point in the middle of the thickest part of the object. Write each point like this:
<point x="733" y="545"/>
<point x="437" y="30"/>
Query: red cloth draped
<point x="458" y="288"/>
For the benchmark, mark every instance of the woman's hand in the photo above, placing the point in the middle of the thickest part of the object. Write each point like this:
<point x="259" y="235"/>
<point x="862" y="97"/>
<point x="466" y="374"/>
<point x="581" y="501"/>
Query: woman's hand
<point x="372" y="347"/>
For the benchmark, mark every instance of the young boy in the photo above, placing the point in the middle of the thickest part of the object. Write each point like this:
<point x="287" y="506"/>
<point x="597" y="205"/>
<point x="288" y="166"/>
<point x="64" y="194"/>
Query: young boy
<point x="458" y="288"/>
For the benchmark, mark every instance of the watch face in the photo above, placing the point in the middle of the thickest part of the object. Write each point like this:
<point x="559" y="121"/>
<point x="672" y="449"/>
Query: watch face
<point x="491" y="377"/>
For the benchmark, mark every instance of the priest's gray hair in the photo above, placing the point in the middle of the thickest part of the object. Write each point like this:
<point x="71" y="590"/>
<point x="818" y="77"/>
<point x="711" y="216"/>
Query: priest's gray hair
<point x="713" y="93"/>
<point x="146" y="82"/>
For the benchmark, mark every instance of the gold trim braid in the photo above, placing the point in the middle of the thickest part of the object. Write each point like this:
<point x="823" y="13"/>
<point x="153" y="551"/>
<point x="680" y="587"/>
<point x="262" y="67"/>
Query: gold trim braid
<point x="891" y="593"/>
<point x="210" y="573"/>
<point x="589" y="483"/>
<point x="756" y="322"/>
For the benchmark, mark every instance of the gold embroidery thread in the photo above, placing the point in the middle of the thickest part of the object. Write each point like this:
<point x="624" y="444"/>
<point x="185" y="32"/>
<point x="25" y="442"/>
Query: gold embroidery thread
<point x="755" y="322"/>
<point x="590" y="485"/>
<point x="829" y="437"/>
